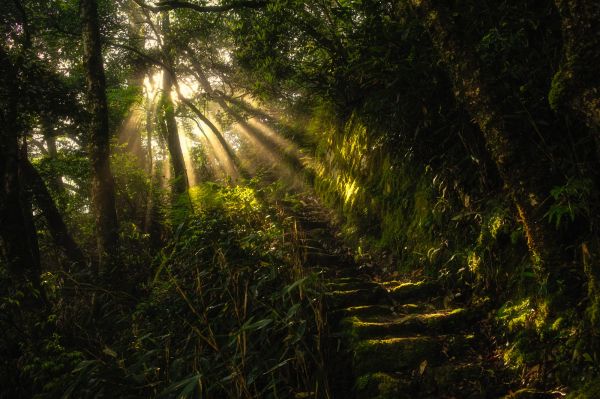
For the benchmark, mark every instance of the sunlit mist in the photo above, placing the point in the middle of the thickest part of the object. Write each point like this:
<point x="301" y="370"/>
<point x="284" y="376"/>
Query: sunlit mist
<point x="220" y="154"/>
<point x="129" y="133"/>
<point x="187" y="159"/>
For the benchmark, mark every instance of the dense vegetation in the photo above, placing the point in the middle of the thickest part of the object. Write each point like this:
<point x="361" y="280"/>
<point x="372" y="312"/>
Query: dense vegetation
<point x="156" y="160"/>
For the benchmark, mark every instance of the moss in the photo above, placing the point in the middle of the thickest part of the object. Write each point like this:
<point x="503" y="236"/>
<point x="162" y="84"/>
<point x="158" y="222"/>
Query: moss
<point x="441" y="321"/>
<point x="412" y="290"/>
<point x="394" y="354"/>
<point x="367" y="310"/>
<point x="557" y="90"/>
<point x="355" y="297"/>
<point x="379" y="386"/>
<point x="400" y="353"/>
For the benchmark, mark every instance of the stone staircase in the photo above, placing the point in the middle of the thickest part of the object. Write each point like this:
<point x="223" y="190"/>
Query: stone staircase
<point x="400" y="339"/>
<point x="403" y="343"/>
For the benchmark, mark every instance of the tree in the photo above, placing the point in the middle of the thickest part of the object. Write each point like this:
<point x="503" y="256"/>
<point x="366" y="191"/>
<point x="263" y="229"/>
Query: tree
<point x="54" y="220"/>
<point x="576" y="85"/>
<point x="19" y="240"/>
<point x="168" y="107"/>
<point x="103" y="190"/>
<point x="524" y="173"/>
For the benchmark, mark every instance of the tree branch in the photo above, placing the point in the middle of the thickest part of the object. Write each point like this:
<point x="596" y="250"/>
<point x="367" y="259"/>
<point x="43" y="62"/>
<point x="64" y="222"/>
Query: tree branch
<point x="176" y="4"/>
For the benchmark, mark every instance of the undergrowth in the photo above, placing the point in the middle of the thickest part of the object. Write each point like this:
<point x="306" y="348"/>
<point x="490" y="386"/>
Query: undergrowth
<point x="226" y="311"/>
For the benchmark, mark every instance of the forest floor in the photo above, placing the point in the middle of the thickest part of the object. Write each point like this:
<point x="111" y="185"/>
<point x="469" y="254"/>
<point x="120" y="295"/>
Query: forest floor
<point x="401" y="337"/>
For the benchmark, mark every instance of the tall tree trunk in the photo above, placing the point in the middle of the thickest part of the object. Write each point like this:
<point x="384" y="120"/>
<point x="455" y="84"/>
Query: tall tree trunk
<point x="55" y="222"/>
<point x="103" y="186"/>
<point x="18" y="242"/>
<point x="577" y="83"/>
<point x="180" y="176"/>
<point x="173" y="144"/>
<point x="524" y="174"/>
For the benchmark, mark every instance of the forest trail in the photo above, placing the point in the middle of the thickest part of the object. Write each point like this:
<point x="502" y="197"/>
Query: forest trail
<point x="407" y="338"/>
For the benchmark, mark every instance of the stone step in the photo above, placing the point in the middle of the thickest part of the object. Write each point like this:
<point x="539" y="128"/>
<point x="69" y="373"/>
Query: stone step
<point x="453" y="380"/>
<point x="412" y="291"/>
<point x="323" y="258"/>
<point x="406" y="353"/>
<point x="411" y="308"/>
<point x="352" y="284"/>
<point x="348" y="298"/>
<point x="307" y="223"/>
<point x="444" y="321"/>
<point x="364" y="311"/>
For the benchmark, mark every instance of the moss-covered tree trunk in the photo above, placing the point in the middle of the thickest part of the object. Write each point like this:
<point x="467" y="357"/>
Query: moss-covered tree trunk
<point x="103" y="186"/>
<point x="576" y="85"/>
<point x="521" y="166"/>
<point x="168" y="107"/>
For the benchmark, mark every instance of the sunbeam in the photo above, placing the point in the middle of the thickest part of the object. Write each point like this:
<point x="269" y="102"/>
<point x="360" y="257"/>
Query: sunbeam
<point x="189" y="162"/>
<point x="220" y="154"/>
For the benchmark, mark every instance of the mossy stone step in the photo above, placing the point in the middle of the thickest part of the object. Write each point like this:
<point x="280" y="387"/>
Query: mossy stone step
<point x="356" y="297"/>
<point x="403" y="291"/>
<point x="402" y="353"/>
<point x="382" y="386"/>
<point x="365" y="311"/>
<point x="465" y="381"/>
<point x="352" y="285"/>
<point x="444" y="321"/>
<point x="411" y="308"/>
<point x="326" y="259"/>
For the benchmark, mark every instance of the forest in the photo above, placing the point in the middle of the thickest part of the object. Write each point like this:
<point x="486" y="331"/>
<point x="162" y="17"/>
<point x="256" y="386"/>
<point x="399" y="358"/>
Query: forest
<point x="370" y="199"/>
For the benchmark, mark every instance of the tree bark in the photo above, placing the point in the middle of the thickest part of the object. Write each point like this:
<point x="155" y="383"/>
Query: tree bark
<point x="103" y="186"/>
<point x="524" y="173"/>
<point x="19" y="242"/>
<point x="576" y="85"/>
<point x="181" y="184"/>
<point x="56" y="225"/>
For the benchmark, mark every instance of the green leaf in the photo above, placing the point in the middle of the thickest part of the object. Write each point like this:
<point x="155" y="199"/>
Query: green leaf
<point x="295" y="284"/>
<point x="256" y="325"/>
<point x="109" y="352"/>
